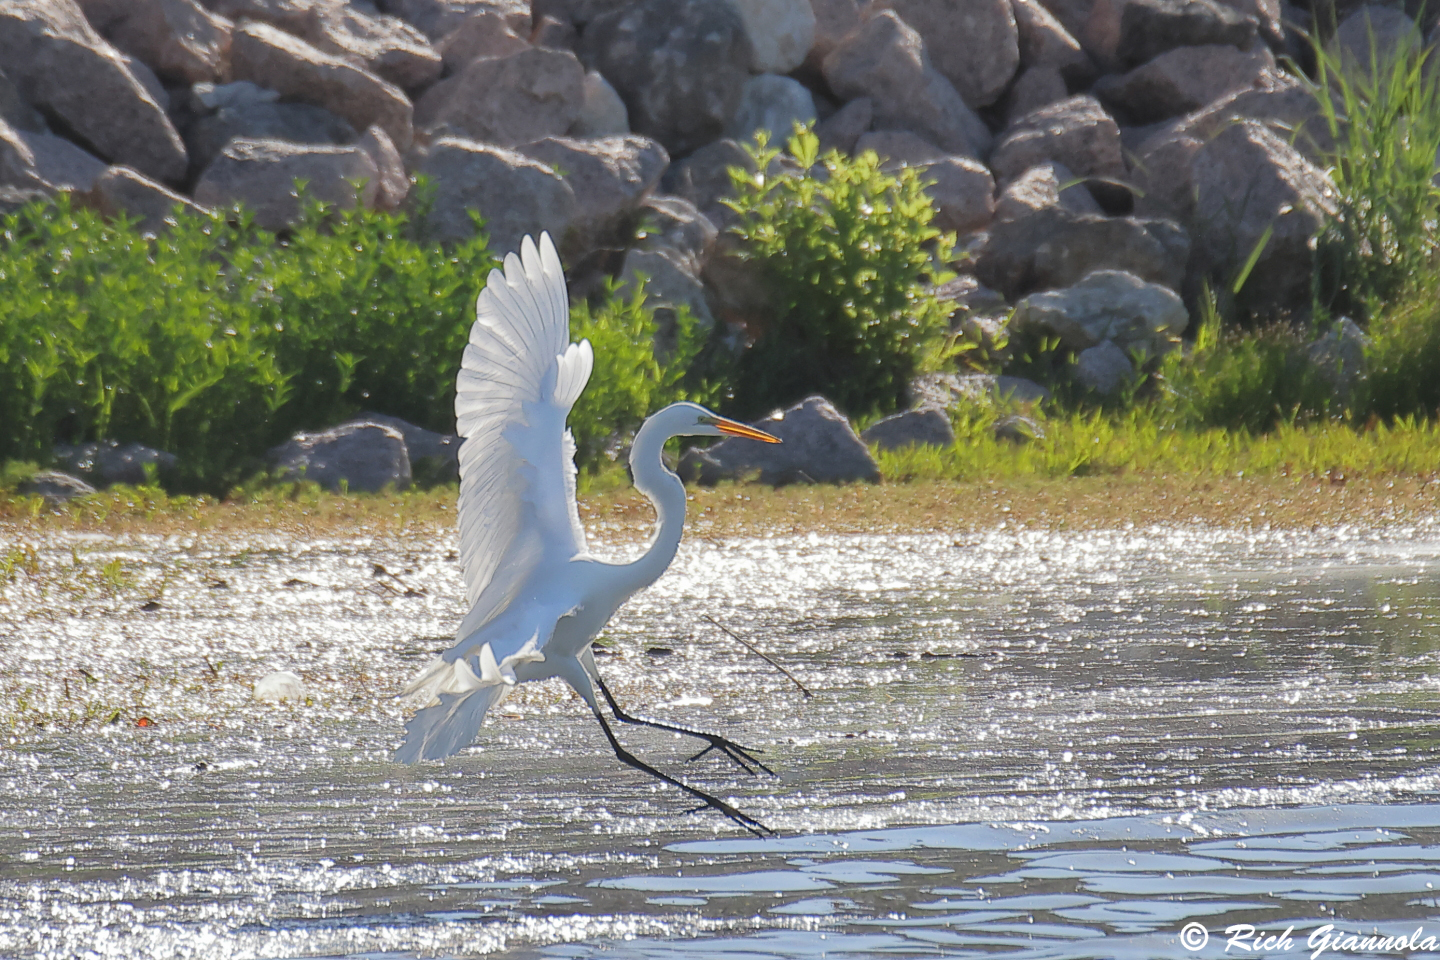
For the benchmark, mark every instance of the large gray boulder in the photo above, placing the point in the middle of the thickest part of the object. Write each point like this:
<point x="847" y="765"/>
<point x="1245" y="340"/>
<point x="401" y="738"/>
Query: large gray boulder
<point x="436" y="18"/>
<point x="1076" y="132"/>
<point x="781" y="33"/>
<point x="386" y="46"/>
<point x="973" y="43"/>
<point x="485" y="34"/>
<point x="602" y="112"/>
<point x="55" y="486"/>
<point x="774" y="104"/>
<point x="515" y="194"/>
<point x="703" y="178"/>
<point x="179" y="39"/>
<point x="674" y="223"/>
<point x="61" y="66"/>
<point x="359" y="456"/>
<point x="1055" y="247"/>
<point x="1044" y="42"/>
<point x="1372" y="36"/>
<point x="886" y="61"/>
<point x="925" y="427"/>
<point x="679" y="65"/>
<point x="120" y="190"/>
<point x="1104" y="368"/>
<point x="609" y="176"/>
<point x="818" y="446"/>
<point x="1183" y="80"/>
<point x="1243" y="185"/>
<point x="261" y="174"/>
<point x="104" y="462"/>
<point x="1045" y="185"/>
<point x="508" y="100"/>
<point x="1108" y="305"/>
<point x="834" y="20"/>
<point x="1121" y="34"/>
<point x="261" y="117"/>
<point x="297" y="70"/>
<point x="1036" y="87"/>
<point x="437" y="453"/>
<point x="844" y="128"/>
<point x="45" y="163"/>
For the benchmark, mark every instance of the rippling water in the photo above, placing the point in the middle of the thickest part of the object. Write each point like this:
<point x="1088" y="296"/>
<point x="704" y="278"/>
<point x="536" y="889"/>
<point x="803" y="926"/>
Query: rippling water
<point x="1021" y="744"/>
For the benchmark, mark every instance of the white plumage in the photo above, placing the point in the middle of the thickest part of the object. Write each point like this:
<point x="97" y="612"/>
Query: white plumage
<point x="537" y="598"/>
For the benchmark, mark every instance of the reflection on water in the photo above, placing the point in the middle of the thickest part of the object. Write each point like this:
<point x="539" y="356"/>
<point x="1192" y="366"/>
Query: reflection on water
<point x="1027" y="744"/>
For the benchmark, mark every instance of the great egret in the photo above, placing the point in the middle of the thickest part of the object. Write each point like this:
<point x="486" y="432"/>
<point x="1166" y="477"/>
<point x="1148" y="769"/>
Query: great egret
<point x="537" y="596"/>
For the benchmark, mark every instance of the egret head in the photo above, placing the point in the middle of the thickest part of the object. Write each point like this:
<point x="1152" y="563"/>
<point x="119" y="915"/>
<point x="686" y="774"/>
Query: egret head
<point x="693" y="420"/>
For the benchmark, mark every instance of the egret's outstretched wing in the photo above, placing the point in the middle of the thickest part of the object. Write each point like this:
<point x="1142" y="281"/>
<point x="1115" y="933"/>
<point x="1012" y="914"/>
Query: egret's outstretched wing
<point x="518" y="380"/>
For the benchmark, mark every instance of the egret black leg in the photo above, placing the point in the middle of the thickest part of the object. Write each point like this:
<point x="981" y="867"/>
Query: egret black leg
<point x="743" y="756"/>
<point x="715" y="803"/>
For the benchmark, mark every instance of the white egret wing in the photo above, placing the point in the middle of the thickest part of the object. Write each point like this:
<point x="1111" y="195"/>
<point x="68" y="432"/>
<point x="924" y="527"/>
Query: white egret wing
<point x="519" y="377"/>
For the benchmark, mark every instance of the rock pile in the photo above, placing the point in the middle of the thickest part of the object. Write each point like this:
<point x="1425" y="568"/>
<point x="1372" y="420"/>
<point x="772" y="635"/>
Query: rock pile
<point x="1083" y="148"/>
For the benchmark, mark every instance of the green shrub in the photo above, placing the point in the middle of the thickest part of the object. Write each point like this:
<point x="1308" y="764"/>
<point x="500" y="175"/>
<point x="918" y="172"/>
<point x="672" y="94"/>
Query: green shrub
<point x="629" y="382"/>
<point x="850" y="254"/>
<point x="1384" y="117"/>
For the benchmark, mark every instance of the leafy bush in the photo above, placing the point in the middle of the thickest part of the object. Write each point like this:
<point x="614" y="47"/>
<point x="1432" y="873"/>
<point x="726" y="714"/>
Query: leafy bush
<point x="847" y="250"/>
<point x="1384" y="117"/>
<point x="629" y="382"/>
<point x="215" y="340"/>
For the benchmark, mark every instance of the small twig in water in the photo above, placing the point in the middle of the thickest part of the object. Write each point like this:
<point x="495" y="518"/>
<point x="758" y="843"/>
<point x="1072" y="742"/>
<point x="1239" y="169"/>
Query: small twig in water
<point x="751" y="647"/>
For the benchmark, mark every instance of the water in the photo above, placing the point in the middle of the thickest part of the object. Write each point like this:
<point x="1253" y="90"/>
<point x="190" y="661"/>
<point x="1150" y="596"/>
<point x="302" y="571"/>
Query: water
<point x="1020" y="744"/>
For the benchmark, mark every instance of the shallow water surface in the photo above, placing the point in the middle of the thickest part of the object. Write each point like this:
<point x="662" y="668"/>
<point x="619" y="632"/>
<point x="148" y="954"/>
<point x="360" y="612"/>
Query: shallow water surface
<point x="1036" y="745"/>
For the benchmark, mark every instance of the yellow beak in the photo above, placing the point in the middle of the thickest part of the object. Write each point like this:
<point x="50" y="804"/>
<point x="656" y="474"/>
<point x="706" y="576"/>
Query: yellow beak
<point x="736" y="429"/>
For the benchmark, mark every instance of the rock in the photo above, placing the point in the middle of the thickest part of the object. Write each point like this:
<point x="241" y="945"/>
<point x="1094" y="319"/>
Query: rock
<point x="773" y="104"/>
<point x="55" y="487"/>
<point x="392" y="184"/>
<point x="64" y="69"/>
<point x="951" y="390"/>
<point x="1036" y="87"/>
<point x="886" y="61"/>
<point x="818" y="446"/>
<point x="1107" y="306"/>
<point x="964" y="194"/>
<point x="148" y="80"/>
<point x="508" y="100"/>
<point x="602" y="112"/>
<point x="1372" y="36"/>
<point x="1044" y="42"/>
<point x="555" y="34"/>
<point x="1076" y="132"/>
<point x="280" y="685"/>
<point x="742" y="291"/>
<point x="1250" y="187"/>
<point x="120" y="190"/>
<point x="1121" y="34"/>
<point x="1103" y="368"/>
<point x="703" y="177"/>
<point x="179" y="39"/>
<point x="898" y="148"/>
<point x="261" y="174"/>
<point x="361" y="456"/>
<point x="1340" y="356"/>
<point x="388" y="47"/>
<point x="105" y="462"/>
<point x="834" y="21"/>
<point x="671" y="281"/>
<point x="609" y="176"/>
<point x="1183" y="80"/>
<point x="1054" y="247"/>
<point x="845" y="126"/>
<point x="15" y="111"/>
<point x="14" y="199"/>
<point x="515" y="194"/>
<point x="1072" y="14"/>
<point x="674" y="224"/>
<point x="975" y="44"/>
<point x="268" y="57"/>
<point x="39" y="161"/>
<point x="1017" y="428"/>
<point x="480" y="35"/>
<point x="679" y="65"/>
<point x="440" y="450"/>
<point x="206" y="97"/>
<point x="781" y="33"/>
<point x="1039" y="188"/>
<point x="436" y="18"/>
<point x="926" y="427"/>
<point x="260" y="120"/>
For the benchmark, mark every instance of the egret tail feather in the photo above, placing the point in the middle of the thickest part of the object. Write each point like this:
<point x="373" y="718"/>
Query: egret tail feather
<point x="446" y="728"/>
